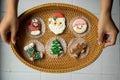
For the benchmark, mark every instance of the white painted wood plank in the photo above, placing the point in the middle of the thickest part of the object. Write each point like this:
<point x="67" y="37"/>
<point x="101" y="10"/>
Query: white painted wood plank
<point x="110" y="77"/>
<point x="94" y="68"/>
<point x="91" y="5"/>
<point x="20" y="76"/>
<point x="86" y="77"/>
<point x="111" y="60"/>
<point x="5" y="54"/>
<point x="56" y="76"/>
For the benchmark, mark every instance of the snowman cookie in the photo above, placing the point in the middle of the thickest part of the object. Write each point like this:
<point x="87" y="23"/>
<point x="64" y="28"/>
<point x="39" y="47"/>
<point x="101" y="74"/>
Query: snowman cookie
<point x="80" y="25"/>
<point x="56" y="23"/>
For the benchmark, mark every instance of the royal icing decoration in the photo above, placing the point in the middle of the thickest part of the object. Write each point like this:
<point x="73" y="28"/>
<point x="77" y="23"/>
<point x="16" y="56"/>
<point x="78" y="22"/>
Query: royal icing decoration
<point x="34" y="27"/>
<point x="80" y="25"/>
<point x="32" y="52"/>
<point x="79" y="49"/>
<point x="57" y="23"/>
<point x="56" y="48"/>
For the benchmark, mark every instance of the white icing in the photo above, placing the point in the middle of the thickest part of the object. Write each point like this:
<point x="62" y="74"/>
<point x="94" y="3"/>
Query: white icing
<point x="35" y="33"/>
<point x="35" y="24"/>
<point x="34" y="20"/>
<point x="25" y="48"/>
<point x="31" y="59"/>
<point x="29" y="46"/>
<point x="82" y="30"/>
<point x="58" y="28"/>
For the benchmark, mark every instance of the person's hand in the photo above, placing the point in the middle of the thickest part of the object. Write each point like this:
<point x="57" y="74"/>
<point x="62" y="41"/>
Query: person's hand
<point x="8" y="28"/>
<point x="107" y="31"/>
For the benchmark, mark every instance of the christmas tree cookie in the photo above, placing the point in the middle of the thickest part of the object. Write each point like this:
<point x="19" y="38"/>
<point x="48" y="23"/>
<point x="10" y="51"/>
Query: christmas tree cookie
<point x="56" y="48"/>
<point x="32" y="52"/>
<point x="56" y="23"/>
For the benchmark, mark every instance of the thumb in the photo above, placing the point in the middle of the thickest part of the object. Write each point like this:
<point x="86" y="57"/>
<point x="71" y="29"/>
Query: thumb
<point x="100" y="36"/>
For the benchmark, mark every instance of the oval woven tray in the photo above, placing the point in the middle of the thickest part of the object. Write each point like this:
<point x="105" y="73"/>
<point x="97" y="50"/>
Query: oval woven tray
<point x="65" y="63"/>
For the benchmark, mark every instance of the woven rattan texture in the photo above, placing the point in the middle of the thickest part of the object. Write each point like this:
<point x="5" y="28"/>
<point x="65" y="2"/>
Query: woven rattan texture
<point x="65" y="63"/>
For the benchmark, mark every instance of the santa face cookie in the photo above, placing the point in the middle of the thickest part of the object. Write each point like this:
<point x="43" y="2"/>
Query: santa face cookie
<point x="57" y="23"/>
<point x="34" y="27"/>
<point x="80" y="25"/>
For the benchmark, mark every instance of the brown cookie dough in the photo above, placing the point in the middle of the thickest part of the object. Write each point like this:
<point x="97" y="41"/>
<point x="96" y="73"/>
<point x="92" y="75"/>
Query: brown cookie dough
<point x="78" y="48"/>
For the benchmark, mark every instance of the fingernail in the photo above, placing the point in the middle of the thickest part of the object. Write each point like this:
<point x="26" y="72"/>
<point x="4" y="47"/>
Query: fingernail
<point x="14" y="42"/>
<point x="97" y="39"/>
<point x="99" y="43"/>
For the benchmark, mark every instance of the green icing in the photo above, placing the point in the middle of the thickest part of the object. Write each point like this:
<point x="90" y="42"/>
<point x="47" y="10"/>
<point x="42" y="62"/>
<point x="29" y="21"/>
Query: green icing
<point x="56" y="47"/>
<point x="54" y="18"/>
<point x="37" y="53"/>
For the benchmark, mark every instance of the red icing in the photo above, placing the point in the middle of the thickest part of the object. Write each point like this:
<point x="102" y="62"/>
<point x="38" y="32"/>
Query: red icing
<point x="57" y="15"/>
<point x="32" y="28"/>
<point x="79" y="46"/>
<point x="79" y="21"/>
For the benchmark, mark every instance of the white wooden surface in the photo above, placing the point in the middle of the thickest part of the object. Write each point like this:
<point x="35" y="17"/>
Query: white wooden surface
<point x="106" y="67"/>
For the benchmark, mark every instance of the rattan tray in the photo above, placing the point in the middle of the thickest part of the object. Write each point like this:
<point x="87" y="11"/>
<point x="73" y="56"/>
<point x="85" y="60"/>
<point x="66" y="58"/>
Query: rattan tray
<point x="65" y="63"/>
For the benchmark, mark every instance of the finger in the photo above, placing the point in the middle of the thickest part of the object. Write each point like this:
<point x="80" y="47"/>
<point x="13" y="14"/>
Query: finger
<point x="13" y="35"/>
<point x="5" y="37"/>
<point x="100" y="37"/>
<point x="109" y="44"/>
<point x="110" y="41"/>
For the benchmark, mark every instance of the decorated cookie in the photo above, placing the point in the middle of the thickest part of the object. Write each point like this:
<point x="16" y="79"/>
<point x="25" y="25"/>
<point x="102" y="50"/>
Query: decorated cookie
<point x="32" y="52"/>
<point x="34" y="27"/>
<point x="56" y="47"/>
<point x="80" y="25"/>
<point x="78" y="48"/>
<point x="56" y="23"/>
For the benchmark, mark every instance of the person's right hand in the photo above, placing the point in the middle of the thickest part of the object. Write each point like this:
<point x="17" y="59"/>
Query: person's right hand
<point x="107" y="31"/>
<point x="8" y="28"/>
